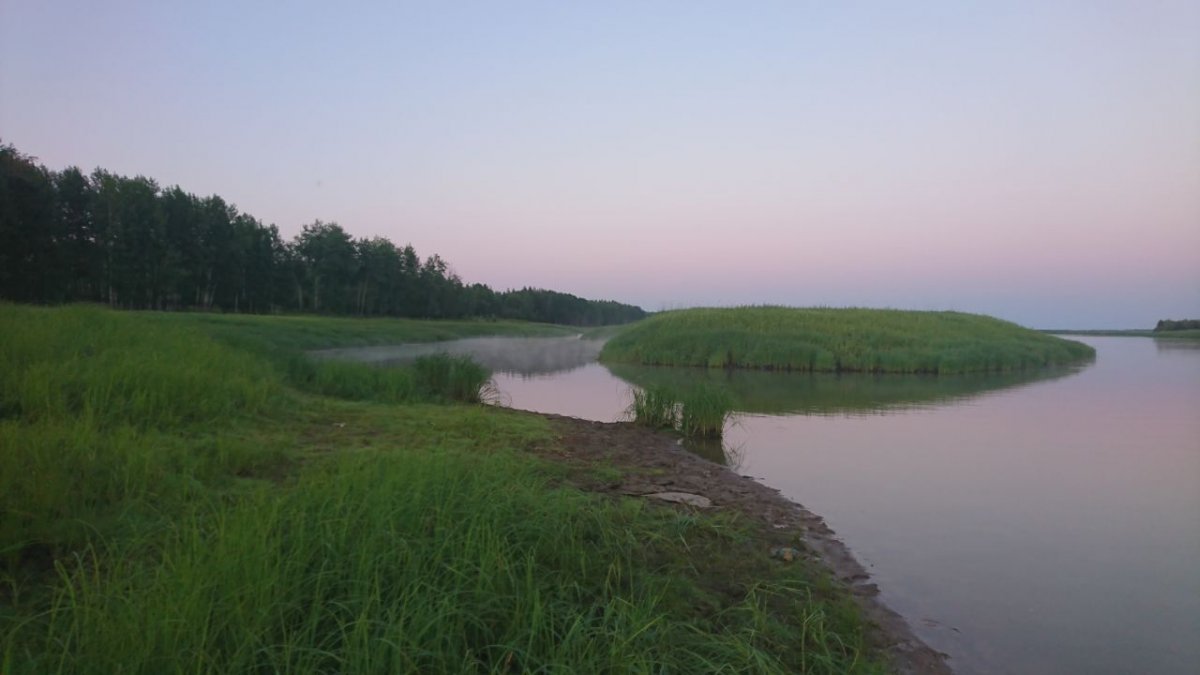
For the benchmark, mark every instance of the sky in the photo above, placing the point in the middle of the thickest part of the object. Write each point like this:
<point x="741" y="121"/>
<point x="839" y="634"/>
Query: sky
<point x="1037" y="161"/>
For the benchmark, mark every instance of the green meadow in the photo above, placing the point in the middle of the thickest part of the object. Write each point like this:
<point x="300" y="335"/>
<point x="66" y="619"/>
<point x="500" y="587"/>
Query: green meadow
<point x="839" y="340"/>
<point x="188" y="493"/>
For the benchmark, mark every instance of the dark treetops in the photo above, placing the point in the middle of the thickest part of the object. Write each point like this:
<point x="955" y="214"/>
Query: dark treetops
<point x="67" y="236"/>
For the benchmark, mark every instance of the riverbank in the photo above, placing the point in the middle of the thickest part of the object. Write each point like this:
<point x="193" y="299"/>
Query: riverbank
<point x="180" y="494"/>
<point x="624" y="460"/>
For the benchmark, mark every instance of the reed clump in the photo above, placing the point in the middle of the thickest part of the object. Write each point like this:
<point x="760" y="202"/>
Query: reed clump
<point x="839" y="340"/>
<point x="696" y="412"/>
<point x="654" y="407"/>
<point x="703" y="412"/>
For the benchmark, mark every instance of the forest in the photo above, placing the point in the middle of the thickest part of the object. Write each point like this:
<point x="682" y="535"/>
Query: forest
<point x="1165" y="325"/>
<point x="67" y="236"/>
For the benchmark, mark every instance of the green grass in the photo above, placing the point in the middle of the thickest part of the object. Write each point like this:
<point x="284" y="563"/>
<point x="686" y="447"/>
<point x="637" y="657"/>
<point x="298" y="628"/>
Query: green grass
<point x="282" y="341"/>
<point x="654" y="407"/>
<point x="171" y="501"/>
<point x="697" y="411"/>
<point x="703" y="411"/>
<point x="298" y="332"/>
<point x="838" y="340"/>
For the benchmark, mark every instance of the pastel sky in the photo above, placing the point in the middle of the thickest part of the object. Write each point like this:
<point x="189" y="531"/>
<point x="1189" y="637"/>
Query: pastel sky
<point x="1039" y="161"/>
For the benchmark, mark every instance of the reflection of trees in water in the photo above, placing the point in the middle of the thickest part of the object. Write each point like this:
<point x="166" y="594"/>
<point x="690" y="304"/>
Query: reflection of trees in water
<point x="1177" y="344"/>
<point x="827" y="393"/>
<point x="522" y="356"/>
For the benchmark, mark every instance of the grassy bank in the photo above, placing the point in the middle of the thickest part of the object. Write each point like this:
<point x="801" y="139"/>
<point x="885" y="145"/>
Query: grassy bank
<point x="322" y="332"/>
<point x="838" y="340"/>
<point x="181" y="500"/>
<point x="282" y="340"/>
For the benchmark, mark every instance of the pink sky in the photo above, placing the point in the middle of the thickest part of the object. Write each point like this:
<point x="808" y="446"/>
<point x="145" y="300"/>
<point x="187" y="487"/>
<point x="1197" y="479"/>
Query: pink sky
<point x="1038" y="161"/>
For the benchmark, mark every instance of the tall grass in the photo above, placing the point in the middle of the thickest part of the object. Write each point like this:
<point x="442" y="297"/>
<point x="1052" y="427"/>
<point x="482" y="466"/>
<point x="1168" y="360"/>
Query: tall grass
<point x="434" y="378"/>
<point x="654" y="407"/>
<point x="419" y="562"/>
<point x="838" y="340"/>
<point x="102" y="414"/>
<point x="173" y="503"/>
<point x="105" y="415"/>
<point x="703" y="411"/>
<point x="698" y="411"/>
<point x="299" y="333"/>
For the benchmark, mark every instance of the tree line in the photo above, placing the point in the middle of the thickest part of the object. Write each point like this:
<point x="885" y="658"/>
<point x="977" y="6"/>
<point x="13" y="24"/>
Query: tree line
<point x="1181" y="324"/>
<point x="67" y="236"/>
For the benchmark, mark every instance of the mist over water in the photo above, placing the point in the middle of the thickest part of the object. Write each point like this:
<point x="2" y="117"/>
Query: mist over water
<point x="512" y="355"/>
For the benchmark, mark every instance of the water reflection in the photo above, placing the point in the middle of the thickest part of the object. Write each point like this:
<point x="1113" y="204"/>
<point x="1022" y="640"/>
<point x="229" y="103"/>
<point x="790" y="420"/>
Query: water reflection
<point x="717" y="450"/>
<point x="778" y="393"/>
<point x="1177" y="344"/>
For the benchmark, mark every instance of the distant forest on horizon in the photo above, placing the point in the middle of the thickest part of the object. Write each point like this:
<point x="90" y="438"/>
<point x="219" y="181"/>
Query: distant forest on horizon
<point x="66" y="236"/>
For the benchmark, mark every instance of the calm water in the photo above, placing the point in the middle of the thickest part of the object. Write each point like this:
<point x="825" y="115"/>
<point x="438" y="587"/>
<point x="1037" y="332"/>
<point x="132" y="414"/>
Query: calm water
<point x="1023" y="525"/>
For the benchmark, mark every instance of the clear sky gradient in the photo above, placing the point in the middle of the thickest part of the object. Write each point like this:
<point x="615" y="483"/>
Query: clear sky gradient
<point x="1038" y="161"/>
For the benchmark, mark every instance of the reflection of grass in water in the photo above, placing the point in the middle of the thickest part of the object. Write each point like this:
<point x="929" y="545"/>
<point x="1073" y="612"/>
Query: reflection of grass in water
<point x="775" y="392"/>
<point x="716" y="450"/>
<point x="839" y="340"/>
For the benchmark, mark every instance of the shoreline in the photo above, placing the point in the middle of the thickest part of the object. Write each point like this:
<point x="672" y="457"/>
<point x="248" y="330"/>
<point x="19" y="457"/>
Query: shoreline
<point x="650" y="461"/>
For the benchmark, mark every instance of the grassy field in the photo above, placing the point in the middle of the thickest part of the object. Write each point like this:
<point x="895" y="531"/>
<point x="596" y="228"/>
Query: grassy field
<point x="183" y="500"/>
<point x="838" y="340"/>
<point x="320" y="332"/>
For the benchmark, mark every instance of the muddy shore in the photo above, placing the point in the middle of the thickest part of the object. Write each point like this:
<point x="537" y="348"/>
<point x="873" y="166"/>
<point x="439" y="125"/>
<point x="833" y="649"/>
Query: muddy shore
<point x="651" y="462"/>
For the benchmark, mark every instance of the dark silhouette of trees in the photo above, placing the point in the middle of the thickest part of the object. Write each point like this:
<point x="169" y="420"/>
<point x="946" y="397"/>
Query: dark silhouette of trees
<point x="72" y="237"/>
<point x="1182" y="324"/>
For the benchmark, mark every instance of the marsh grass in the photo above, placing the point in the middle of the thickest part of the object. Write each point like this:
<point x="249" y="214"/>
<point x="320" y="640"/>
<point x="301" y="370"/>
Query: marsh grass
<point x="111" y="417"/>
<point x="434" y="378"/>
<point x="174" y="503"/>
<point x="424" y="563"/>
<point x="696" y="412"/>
<point x="654" y="407"/>
<point x="703" y="411"/>
<point x="297" y="333"/>
<point x="443" y="377"/>
<point x="839" y="340"/>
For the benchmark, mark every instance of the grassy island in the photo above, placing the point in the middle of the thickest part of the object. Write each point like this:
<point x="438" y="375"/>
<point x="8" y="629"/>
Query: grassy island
<point x="839" y="340"/>
<point x="189" y="493"/>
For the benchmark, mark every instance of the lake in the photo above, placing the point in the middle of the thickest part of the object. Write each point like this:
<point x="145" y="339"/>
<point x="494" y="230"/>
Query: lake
<point x="1022" y="524"/>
